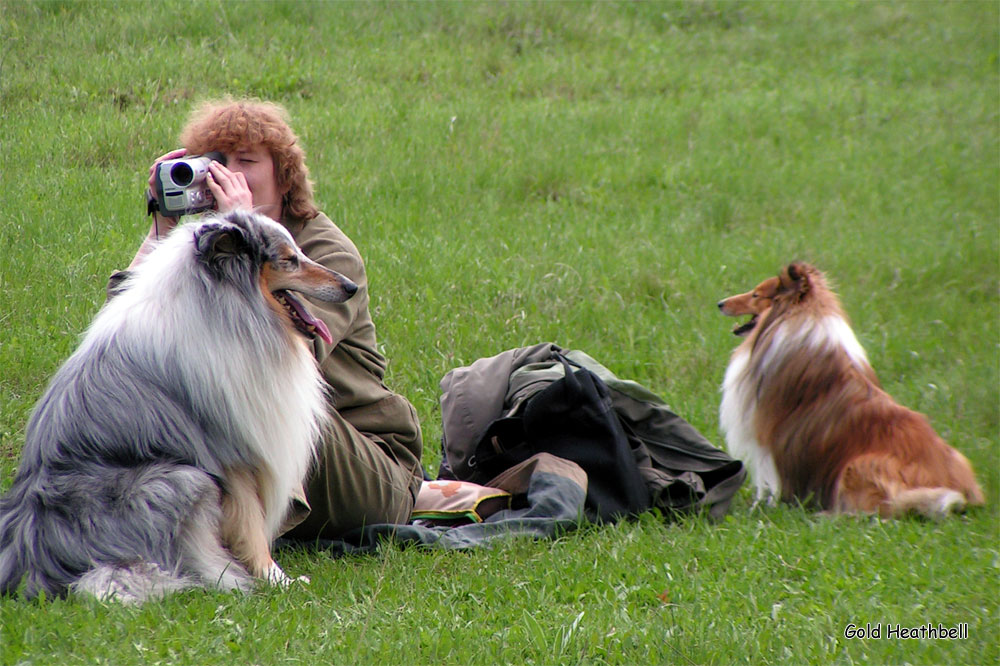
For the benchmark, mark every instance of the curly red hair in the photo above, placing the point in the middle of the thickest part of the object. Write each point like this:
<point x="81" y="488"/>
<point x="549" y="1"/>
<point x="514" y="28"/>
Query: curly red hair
<point x="228" y="125"/>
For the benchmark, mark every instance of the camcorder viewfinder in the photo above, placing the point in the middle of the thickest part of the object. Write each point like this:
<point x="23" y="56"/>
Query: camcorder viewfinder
<point x="180" y="184"/>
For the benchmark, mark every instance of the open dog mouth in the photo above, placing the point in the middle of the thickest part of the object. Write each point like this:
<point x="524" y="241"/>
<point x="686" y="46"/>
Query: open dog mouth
<point x="744" y="329"/>
<point x="307" y="324"/>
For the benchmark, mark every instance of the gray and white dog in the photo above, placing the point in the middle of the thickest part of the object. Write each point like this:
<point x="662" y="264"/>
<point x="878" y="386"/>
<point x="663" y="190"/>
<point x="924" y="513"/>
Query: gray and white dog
<point x="164" y="451"/>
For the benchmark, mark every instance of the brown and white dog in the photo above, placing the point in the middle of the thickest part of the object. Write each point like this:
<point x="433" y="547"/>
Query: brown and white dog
<point x="803" y="408"/>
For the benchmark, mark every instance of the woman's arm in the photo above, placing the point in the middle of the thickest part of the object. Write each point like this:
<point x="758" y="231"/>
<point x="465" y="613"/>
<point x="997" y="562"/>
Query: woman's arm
<point x="161" y="224"/>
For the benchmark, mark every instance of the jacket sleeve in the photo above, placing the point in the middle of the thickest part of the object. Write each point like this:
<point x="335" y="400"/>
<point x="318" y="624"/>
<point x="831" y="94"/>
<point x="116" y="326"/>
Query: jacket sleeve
<point x="472" y="397"/>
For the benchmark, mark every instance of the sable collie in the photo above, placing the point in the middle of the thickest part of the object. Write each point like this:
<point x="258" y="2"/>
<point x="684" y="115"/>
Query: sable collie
<point x="804" y="409"/>
<point x="163" y="453"/>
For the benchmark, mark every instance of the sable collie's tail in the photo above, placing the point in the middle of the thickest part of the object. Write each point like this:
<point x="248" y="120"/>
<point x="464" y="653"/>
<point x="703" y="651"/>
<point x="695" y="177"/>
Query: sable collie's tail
<point x="877" y="483"/>
<point x="934" y="503"/>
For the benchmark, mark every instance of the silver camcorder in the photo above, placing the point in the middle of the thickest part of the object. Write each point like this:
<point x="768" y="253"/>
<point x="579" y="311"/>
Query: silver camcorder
<point x="180" y="184"/>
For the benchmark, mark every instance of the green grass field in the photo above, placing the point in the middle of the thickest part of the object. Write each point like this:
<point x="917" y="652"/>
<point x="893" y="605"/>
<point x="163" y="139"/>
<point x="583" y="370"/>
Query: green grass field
<point x="598" y="175"/>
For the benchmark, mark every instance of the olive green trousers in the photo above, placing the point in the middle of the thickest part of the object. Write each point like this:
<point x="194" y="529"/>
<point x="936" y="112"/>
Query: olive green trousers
<point x="360" y="478"/>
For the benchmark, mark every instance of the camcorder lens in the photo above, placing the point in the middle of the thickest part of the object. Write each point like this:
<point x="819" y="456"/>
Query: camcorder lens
<point x="182" y="174"/>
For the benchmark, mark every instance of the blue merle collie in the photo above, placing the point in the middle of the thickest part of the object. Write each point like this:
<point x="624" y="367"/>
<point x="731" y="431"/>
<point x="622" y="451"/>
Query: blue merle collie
<point x="164" y="451"/>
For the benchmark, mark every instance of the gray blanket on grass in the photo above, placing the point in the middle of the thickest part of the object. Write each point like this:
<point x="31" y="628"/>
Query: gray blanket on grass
<point x="549" y="497"/>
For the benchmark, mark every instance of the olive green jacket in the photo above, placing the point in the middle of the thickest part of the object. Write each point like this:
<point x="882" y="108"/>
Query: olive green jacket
<point x="352" y="366"/>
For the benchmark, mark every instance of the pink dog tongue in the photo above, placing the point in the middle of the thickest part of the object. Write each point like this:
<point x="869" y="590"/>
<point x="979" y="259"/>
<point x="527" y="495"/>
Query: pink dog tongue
<point x="321" y="329"/>
<point x="307" y="319"/>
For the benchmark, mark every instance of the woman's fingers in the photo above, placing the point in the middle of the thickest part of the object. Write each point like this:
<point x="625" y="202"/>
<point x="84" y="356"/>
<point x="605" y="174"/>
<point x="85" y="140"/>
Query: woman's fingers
<point x="172" y="155"/>
<point x="230" y="189"/>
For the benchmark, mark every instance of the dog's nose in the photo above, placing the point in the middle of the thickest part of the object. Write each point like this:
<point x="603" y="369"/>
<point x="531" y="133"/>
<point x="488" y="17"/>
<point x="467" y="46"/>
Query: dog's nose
<point x="720" y="304"/>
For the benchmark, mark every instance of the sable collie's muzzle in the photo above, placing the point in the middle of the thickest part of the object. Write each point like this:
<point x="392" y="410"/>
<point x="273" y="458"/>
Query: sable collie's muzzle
<point x="742" y="330"/>
<point x="753" y="303"/>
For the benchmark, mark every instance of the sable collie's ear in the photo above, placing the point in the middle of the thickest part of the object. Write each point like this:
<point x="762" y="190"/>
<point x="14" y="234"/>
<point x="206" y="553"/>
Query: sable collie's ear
<point x="795" y="278"/>
<point x="215" y="241"/>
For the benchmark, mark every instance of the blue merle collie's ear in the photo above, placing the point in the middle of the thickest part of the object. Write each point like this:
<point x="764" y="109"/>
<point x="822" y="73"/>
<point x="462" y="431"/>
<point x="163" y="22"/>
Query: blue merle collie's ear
<point x="217" y="244"/>
<point x="214" y="241"/>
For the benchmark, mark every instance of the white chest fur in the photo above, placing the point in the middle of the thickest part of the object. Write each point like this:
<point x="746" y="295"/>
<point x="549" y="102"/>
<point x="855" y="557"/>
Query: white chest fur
<point x="737" y="414"/>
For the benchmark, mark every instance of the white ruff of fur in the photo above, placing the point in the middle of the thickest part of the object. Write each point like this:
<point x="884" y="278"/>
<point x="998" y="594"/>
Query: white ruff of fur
<point x="268" y="396"/>
<point x="747" y="371"/>
<point x="737" y="414"/>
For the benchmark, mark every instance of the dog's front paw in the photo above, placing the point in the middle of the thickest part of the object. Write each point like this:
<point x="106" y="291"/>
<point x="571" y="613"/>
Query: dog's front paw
<point x="275" y="576"/>
<point x="764" y="499"/>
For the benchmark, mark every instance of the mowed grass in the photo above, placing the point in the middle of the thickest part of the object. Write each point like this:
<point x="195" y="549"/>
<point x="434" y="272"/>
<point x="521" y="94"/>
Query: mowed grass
<point x="598" y="175"/>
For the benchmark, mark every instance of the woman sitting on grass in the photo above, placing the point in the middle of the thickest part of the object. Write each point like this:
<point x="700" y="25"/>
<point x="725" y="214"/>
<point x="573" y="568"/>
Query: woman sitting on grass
<point x="369" y="464"/>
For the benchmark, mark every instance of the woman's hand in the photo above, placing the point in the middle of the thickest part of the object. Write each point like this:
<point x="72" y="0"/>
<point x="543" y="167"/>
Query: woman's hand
<point x="161" y="223"/>
<point x="229" y="188"/>
<point x="172" y="155"/>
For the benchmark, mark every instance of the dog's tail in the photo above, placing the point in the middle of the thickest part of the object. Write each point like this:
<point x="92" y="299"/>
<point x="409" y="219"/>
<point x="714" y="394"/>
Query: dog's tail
<point x="131" y="584"/>
<point x="935" y="490"/>
<point x="934" y="503"/>
<point x="12" y="568"/>
<point x="32" y="552"/>
<point x="950" y="489"/>
<point x="17" y="558"/>
<point x="158" y="533"/>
